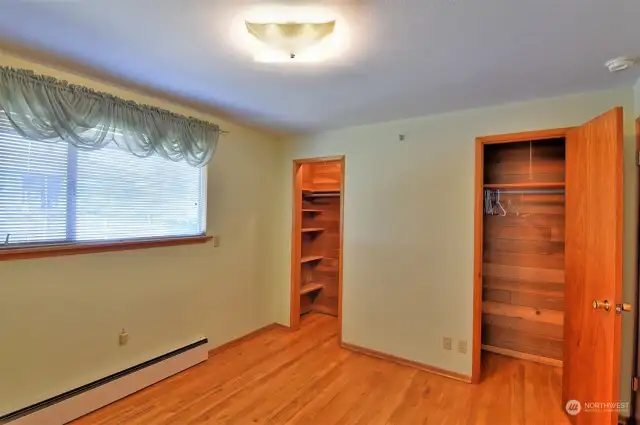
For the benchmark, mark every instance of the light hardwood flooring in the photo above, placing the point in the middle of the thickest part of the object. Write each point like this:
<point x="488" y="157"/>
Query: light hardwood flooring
<point x="305" y="378"/>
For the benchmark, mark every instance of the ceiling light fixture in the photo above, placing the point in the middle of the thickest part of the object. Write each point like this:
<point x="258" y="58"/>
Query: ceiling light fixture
<point x="293" y="34"/>
<point x="291" y="37"/>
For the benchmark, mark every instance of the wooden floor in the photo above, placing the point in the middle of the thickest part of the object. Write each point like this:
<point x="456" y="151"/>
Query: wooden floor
<point x="306" y="378"/>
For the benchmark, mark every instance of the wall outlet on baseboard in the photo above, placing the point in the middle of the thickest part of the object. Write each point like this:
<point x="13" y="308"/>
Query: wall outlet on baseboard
<point x="462" y="346"/>
<point x="446" y="343"/>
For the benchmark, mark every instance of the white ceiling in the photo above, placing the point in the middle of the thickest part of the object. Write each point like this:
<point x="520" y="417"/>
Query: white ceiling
<point x="407" y="58"/>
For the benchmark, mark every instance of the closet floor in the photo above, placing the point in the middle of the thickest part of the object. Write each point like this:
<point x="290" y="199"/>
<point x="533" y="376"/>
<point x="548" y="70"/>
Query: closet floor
<point x="278" y="377"/>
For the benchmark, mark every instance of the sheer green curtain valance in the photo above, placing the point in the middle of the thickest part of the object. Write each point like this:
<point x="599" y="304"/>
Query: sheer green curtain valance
<point x="47" y="109"/>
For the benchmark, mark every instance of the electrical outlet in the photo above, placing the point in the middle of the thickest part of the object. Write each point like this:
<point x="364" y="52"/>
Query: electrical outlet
<point x="446" y="343"/>
<point x="123" y="338"/>
<point x="216" y="241"/>
<point x="462" y="346"/>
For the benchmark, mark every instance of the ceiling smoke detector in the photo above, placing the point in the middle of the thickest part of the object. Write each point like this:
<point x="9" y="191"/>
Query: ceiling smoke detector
<point x="620" y="64"/>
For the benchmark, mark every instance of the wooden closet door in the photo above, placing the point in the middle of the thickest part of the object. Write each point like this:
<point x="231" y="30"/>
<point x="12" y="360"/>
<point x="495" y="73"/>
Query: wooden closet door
<point x="593" y="254"/>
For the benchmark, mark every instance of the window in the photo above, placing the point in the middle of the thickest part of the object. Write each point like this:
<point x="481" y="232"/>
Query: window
<point x="52" y="193"/>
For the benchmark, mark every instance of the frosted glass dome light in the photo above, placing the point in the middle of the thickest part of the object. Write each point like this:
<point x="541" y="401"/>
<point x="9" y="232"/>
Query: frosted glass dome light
<point x="291" y="38"/>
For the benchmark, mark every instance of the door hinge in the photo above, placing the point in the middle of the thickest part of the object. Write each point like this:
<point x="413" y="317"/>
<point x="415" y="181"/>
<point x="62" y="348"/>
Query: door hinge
<point x="638" y="158"/>
<point x="635" y="383"/>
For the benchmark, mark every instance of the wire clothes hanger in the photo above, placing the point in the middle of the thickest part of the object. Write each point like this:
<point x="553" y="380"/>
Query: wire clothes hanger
<point x="499" y="205"/>
<point x="492" y="204"/>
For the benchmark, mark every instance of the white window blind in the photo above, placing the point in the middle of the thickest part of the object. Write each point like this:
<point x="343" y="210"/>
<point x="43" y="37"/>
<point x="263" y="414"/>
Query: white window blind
<point x="51" y="193"/>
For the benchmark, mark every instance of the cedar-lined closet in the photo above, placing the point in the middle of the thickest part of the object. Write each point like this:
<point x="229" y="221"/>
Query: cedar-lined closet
<point x="548" y="229"/>
<point x="319" y="236"/>
<point x="523" y="249"/>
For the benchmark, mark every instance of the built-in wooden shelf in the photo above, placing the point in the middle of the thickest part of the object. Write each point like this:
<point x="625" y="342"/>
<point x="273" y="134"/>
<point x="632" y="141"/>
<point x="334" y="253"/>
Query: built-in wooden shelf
<point x="305" y="210"/>
<point x="310" y="287"/>
<point x="320" y="193"/>
<point x="310" y="258"/>
<point x="527" y="185"/>
<point x="313" y="230"/>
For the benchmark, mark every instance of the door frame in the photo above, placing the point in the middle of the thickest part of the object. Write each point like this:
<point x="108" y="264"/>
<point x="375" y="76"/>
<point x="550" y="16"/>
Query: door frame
<point x="296" y="206"/>
<point x="634" y="402"/>
<point x="478" y="252"/>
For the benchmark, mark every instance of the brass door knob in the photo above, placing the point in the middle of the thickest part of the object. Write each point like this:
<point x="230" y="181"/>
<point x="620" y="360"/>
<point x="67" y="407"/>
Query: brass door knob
<point x="623" y="307"/>
<point x="601" y="305"/>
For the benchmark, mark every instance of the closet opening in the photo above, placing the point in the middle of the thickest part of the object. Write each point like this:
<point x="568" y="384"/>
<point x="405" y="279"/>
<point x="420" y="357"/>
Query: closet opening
<point x="316" y="259"/>
<point x="523" y="250"/>
<point x="520" y="254"/>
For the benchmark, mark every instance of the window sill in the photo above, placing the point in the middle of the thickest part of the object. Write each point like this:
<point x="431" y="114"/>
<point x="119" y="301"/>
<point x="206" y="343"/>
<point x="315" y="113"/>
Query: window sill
<point x="89" y="248"/>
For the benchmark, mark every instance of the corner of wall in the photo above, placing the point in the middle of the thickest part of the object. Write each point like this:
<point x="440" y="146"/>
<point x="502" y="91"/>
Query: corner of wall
<point x="277" y="295"/>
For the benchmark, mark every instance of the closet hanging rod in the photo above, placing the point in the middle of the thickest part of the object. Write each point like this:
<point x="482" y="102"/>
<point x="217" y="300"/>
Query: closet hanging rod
<point x="529" y="191"/>
<point x="530" y="185"/>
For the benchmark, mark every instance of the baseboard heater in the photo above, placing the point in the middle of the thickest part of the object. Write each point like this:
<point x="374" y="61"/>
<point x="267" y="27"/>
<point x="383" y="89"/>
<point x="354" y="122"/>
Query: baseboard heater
<point x="73" y="404"/>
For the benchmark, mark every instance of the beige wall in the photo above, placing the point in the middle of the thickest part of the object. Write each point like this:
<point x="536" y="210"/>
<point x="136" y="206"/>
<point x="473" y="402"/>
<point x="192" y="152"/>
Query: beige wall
<point x="60" y="317"/>
<point x="408" y="225"/>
